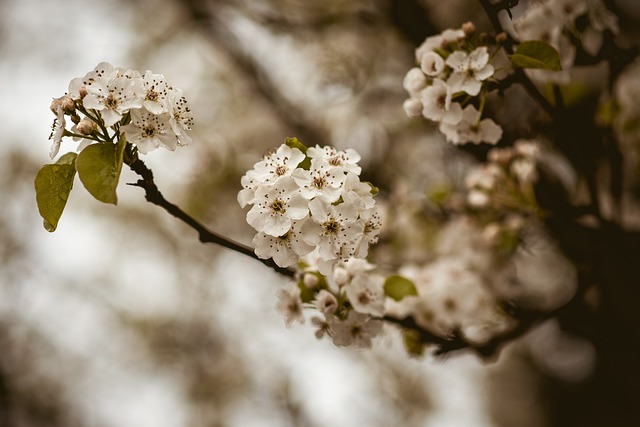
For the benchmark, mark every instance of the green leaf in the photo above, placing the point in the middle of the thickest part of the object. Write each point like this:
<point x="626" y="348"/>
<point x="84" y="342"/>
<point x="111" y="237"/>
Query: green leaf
<point x="53" y="184"/>
<point x="295" y="143"/>
<point x="398" y="287"/>
<point x="536" y="54"/>
<point x="412" y="342"/>
<point x="99" y="167"/>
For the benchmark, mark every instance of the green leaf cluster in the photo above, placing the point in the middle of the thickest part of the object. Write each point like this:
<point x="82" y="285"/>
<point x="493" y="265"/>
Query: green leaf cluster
<point x="98" y="167"/>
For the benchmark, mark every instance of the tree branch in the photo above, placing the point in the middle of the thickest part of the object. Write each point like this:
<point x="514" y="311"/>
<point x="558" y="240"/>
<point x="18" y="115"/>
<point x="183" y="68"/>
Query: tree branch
<point x="153" y="195"/>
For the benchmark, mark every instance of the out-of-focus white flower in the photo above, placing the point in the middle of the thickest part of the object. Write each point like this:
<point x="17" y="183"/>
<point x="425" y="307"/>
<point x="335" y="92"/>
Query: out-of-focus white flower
<point x="472" y="129"/>
<point x="326" y="302"/>
<point x="412" y="107"/>
<point x="414" y="81"/>
<point x="366" y="294"/>
<point x="357" y="329"/>
<point x="290" y="305"/>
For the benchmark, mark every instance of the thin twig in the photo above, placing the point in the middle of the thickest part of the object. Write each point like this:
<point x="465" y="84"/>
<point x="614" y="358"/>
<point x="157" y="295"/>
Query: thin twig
<point x="153" y="195"/>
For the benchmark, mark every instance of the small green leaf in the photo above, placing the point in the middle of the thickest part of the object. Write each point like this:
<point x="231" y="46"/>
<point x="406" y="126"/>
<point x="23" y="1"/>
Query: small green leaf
<point x="53" y="184"/>
<point x="412" y="342"/>
<point x="398" y="287"/>
<point x="536" y="54"/>
<point x="295" y="143"/>
<point x="99" y="167"/>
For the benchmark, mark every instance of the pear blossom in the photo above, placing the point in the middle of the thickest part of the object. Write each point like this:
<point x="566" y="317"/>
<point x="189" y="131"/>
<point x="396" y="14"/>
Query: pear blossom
<point x="113" y="97"/>
<point x="357" y="329"/>
<point x="414" y="81"/>
<point x="277" y="207"/>
<point x="153" y="90"/>
<point x="472" y="129"/>
<point x="366" y="294"/>
<point x="286" y="249"/>
<point x="334" y="229"/>
<point x="336" y="160"/>
<point x="181" y="118"/>
<point x="149" y="131"/>
<point x="438" y="105"/>
<point x="290" y="305"/>
<point x="469" y="70"/>
<point x="321" y="181"/>
<point x="326" y="302"/>
<point x="57" y="132"/>
<point x="432" y="64"/>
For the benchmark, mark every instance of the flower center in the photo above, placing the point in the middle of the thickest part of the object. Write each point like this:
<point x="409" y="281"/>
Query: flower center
<point x="331" y="227"/>
<point x="278" y="206"/>
<point x="111" y="102"/>
<point x="281" y="170"/>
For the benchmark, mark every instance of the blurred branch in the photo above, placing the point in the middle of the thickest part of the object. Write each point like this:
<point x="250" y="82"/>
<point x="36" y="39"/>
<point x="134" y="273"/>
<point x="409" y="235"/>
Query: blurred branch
<point x="153" y="195"/>
<point x="207" y="16"/>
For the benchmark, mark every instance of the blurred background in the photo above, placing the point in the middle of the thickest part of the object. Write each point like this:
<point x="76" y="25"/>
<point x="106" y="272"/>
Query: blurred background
<point x="121" y="318"/>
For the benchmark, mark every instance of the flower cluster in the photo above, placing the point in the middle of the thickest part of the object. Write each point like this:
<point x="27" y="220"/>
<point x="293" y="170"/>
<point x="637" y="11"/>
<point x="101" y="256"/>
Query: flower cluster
<point x="452" y="71"/>
<point x="556" y="23"/>
<point x="454" y="293"/>
<point x="303" y="202"/>
<point x="500" y="192"/>
<point x="143" y="107"/>
<point x="350" y="301"/>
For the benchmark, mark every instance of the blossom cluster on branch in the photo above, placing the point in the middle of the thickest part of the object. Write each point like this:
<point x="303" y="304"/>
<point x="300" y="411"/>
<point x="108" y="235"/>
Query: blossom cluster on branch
<point x="454" y="68"/>
<point x="143" y="107"/>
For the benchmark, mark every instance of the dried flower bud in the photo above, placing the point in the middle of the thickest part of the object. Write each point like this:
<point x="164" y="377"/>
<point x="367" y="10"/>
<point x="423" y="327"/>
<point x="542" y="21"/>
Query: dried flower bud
<point x="82" y="92"/>
<point x="85" y="127"/>
<point x="75" y="118"/>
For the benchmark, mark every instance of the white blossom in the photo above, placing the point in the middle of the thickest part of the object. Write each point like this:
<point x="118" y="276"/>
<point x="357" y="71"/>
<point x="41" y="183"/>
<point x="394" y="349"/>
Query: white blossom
<point x="414" y="81"/>
<point x="469" y="70"/>
<point x="113" y="97"/>
<point x="277" y="207"/>
<point x="334" y="229"/>
<point x="472" y="129"/>
<point x="366" y="294"/>
<point x="149" y="131"/>
<point x="57" y="131"/>
<point x="286" y="249"/>
<point x="357" y="329"/>
<point x="437" y="103"/>
<point x="432" y="64"/>
<point x="290" y="305"/>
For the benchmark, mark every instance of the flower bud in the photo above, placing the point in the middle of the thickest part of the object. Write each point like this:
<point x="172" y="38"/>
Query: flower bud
<point x="310" y="280"/>
<point x="501" y="37"/>
<point x="82" y="92"/>
<point x="85" y="127"/>
<point x="468" y="28"/>
<point x="68" y="106"/>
